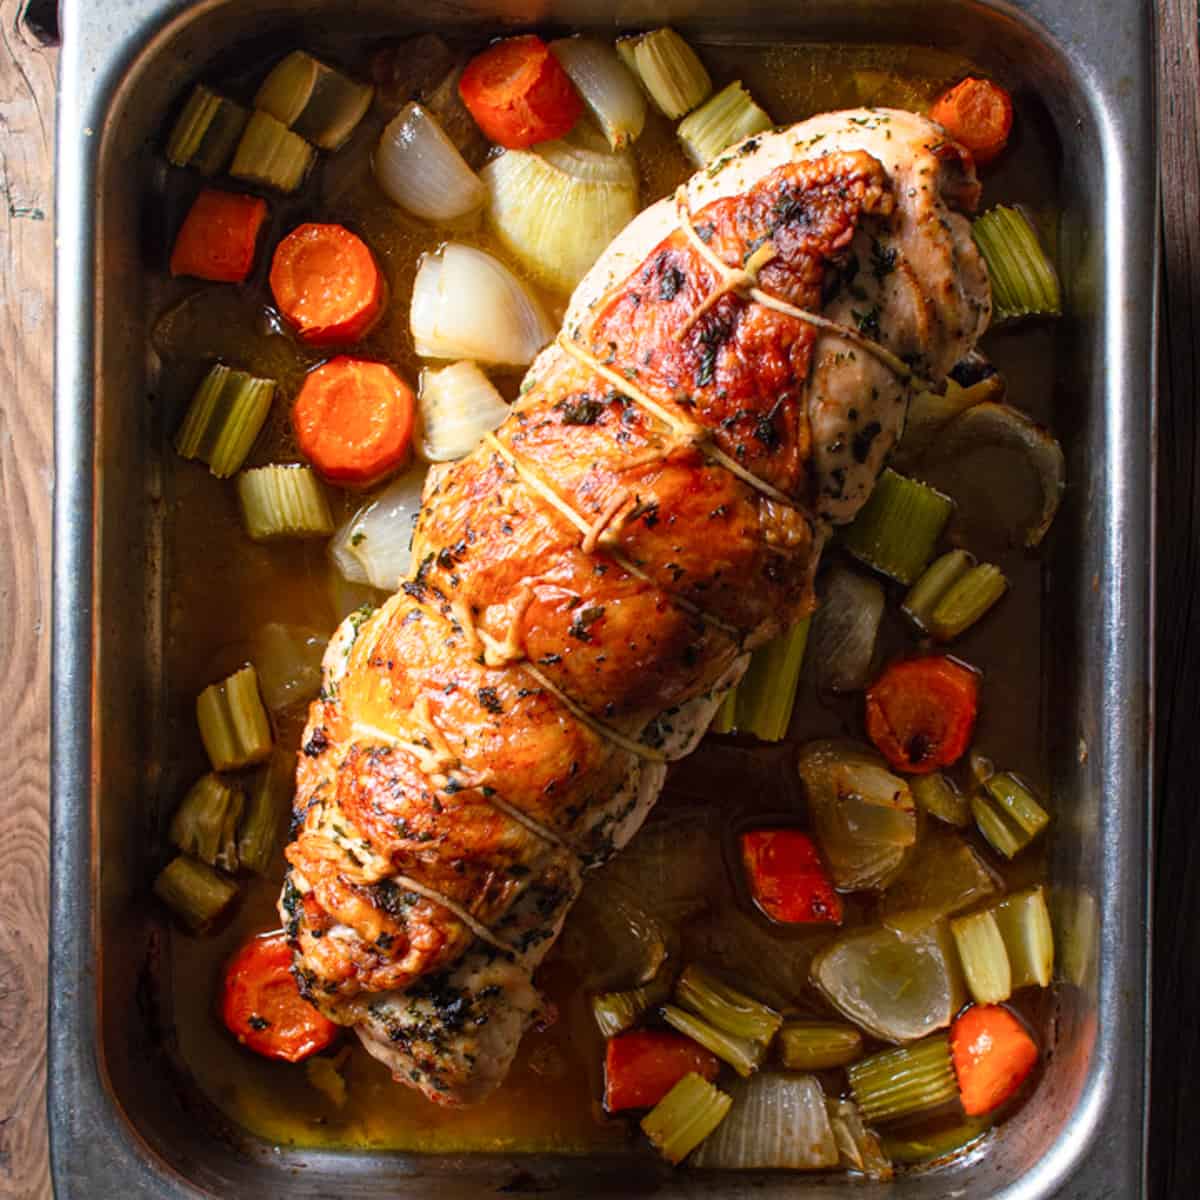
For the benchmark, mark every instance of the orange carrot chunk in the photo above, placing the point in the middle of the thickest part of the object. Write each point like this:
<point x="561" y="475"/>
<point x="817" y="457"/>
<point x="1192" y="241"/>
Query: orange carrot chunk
<point x="519" y="94"/>
<point x="262" y="1006"/>
<point x="327" y="284"/>
<point x="993" y="1055"/>
<point x="787" y="878"/>
<point x="640" y="1068"/>
<point x="354" y="421"/>
<point x="979" y="114"/>
<point x="921" y="713"/>
<point x="218" y="236"/>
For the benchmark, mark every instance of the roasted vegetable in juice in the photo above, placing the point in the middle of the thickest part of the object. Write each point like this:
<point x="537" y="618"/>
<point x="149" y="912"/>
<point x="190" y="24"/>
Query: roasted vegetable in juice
<point x="787" y="878"/>
<point x="993" y="1056"/>
<point x="218" y="237"/>
<point x="684" y="1117"/>
<point x="979" y="114"/>
<point x="641" y="1068"/>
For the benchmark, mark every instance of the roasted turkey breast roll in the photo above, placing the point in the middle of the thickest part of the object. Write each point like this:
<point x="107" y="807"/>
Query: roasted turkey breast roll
<point x="587" y="583"/>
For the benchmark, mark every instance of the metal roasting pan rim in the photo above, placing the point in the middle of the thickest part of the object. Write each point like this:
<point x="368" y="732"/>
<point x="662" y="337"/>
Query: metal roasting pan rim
<point x="120" y="1124"/>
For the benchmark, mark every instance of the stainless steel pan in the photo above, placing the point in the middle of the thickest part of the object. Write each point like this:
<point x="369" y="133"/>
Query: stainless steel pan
<point x="123" y="1122"/>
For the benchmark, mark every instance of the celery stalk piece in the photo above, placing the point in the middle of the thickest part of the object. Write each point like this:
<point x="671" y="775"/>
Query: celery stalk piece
<point x="971" y="596"/>
<point x="1024" y="282"/>
<point x="1023" y="920"/>
<point x="983" y="956"/>
<point x="936" y="580"/>
<point x="896" y="530"/>
<point x="223" y="419"/>
<point x="674" y="78"/>
<point x="1007" y="814"/>
<point x="743" y="1055"/>
<point x="725" y="1007"/>
<point x="615" y="1012"/>
<point x="722" y="120"/>
<point x="205" y="823"/>
<point x="259" y="832"/>
<point x="910" y="1079"/>
<point x="194" y="892"/>
<point x="283" y="501"/>
<point x="271" y="155"/>
<point x="767" y="692"/>
<point x="685" y="1116"/>
<point x="233" y="722"/>
<point x="913" y="1148"/>
<point x="940" y="798"/>
<point x="206" y="132"/>
<point x="320" y="104"/>
<point x="818" y="1045"/>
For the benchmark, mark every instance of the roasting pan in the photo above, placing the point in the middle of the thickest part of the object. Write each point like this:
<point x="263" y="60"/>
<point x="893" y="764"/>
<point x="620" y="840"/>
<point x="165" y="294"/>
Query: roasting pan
<point x="123" y="1122"/>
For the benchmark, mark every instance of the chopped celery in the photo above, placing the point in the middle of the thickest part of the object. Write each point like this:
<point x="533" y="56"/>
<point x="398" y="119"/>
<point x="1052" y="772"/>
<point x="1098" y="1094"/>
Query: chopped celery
<point x="896" y="530"/>
<point x="1024" y="923"/>
<point x="615" y="1012"/>
<point x="319" y="103"/>
<point x="674" y="78"/>
<point x="719" y="122"/>
<point x="967" y="600"/>
<point x="1024" y="282"/>
<point x="685" y="1116"/>
<point x="194" y="891"/>
<point x="260" y="823"/>
<point x="270" y="154"/>
<point x="742" y="1054"/>
<point x="818" y="1045"/>
<point x="205" y="823"/>
<point x="283" y="501"/>
<point x="983" y="956"/>
<point x="1007" y="814"/>
<point x="908" y="1080"/>
<point x="725" y="1007"/>
<point x="936" y="580"/>
<point x="206" y="132"/>
<point x="233" y="722"/>
<point x="940" y="798"/>
<point x="224" y="418"/>
<point x="767" y="692"/>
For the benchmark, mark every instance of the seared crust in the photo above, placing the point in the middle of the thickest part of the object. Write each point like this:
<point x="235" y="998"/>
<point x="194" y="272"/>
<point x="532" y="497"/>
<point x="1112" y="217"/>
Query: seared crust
<point x="586" y="585"/>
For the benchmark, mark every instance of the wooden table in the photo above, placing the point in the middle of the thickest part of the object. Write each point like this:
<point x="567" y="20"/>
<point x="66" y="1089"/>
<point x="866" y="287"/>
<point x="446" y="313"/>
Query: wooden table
<point x="27" y="77"/>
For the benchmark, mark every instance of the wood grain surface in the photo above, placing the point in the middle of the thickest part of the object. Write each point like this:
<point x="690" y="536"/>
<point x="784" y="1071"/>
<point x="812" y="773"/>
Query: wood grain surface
<point x="26" y="325"/>
<point x="26" y="434"/>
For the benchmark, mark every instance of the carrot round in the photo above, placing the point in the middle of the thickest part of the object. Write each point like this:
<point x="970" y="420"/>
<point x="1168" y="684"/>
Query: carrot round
<point x="354" y="420"/>
<point x="787" y="878"/>
<point x="993" y="1055"/>
<point x="519" y="94"/>
<point x="218" y="236"/>
<point x="640" y="1068"/>
<point x="979" y="114"/>
<point x="262" y="1006"/>
<point x="921" y="713"/>
<point x="327" y="284"/>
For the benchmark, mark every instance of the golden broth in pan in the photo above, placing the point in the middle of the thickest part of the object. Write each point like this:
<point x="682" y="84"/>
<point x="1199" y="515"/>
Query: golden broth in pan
<point x="221" y="588"/>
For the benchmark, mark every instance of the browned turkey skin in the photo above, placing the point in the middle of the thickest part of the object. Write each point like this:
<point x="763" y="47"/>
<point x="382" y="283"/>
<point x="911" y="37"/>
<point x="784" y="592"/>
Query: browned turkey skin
<point x="586" y="585"/>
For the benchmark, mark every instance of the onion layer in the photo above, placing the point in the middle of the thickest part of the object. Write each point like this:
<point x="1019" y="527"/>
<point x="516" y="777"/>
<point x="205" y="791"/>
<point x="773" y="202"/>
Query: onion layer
<point x="458" y="405"/>
<point x="844" y="630"/>
<point x="467" y="304"/>
<point x="557" y="207"/>
<point x="420" y="169"/>
<point x="607" y="86"/>
<point x="374" y="546"/>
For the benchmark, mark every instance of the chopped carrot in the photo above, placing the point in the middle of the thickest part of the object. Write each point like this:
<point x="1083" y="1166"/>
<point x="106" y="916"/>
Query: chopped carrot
<point x="519" y="94"/>
<point x="218" y="236"/>
<point x="327" y="284"/>
<point x="262" y="1006"/>
<point x="979" y="114"/>
<point x="787" y="878"/>
<point x="993" y="1055"/>
<point x="921" y="713"/>
<point x="354" y="420"/>
<point x="640" y="1068"/>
